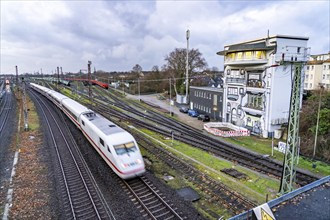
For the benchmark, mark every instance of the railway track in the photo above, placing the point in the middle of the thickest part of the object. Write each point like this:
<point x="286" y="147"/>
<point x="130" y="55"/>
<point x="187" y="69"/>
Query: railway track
<point x="81" y="196"/>
<point x="163" y="125"/>
<point x="220" y="193"/>
<point x="5" y="108"/>
<point x="151" y="201"/>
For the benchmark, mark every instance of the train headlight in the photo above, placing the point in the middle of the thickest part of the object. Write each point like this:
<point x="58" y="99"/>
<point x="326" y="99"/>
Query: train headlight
<point x="124" y="165"/>
<point x="138" y="161"/>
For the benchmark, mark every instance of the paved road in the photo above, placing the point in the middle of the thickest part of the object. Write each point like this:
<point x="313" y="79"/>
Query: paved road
<point x="165" y="104"/>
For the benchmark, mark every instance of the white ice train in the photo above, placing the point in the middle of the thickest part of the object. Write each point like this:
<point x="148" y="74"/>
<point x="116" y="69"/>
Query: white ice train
<point x="116" y="146"/>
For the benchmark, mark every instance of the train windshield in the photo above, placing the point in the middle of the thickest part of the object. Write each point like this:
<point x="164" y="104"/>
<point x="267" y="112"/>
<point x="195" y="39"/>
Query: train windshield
<point x="125" y="148"/>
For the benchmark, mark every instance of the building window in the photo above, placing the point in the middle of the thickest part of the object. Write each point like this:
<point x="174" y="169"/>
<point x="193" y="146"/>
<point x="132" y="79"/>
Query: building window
<point x="239" y="55"/>
<point x="230" y="56"/>
<point x="239" y="110"/>
<point x="312" y="67"/>
<point x="248" y="55"/>
<point x="228" y="107"/>
<point x="215" y="97"/>
<point x="254" y="80"/>
<point x="232" y="91"/>
<point x="260" y="54"/>
<point x="306" y="76"/>
<point x="324" y="66"/>
<point x="307" y="67"/>
<point x="254" y="101"/>
<point x="310" y="85"/>
<point x="306" y="85"/>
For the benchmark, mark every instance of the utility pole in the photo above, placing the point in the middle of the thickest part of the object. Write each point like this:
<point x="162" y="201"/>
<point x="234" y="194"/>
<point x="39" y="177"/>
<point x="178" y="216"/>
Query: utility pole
<point x="89" y="79"/>
<point x="292" y="144"/>
<point x="16" y="75"/>
<point x="187" y="65"/>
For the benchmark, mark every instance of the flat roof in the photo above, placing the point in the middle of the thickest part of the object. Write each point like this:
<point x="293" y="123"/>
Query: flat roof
<point x="207" y="88"/>
<point x="308" y="202"/>
<point x="256" y="44"/>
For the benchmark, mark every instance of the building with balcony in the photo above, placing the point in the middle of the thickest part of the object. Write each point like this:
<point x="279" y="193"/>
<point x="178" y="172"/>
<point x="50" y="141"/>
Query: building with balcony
<point x="257" y="81"/>
<point x="317" y="72"/>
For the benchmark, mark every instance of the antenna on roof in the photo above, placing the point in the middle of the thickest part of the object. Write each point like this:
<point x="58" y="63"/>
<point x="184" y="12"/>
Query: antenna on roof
<point x="268" y="33"/>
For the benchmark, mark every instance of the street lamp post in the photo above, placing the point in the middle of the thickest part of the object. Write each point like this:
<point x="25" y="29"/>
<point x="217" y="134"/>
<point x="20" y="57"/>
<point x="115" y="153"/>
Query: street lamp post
<point x="89" y="79"/>
<point x="170" y="96"/>
<point x="187" y="65"/>
<point x="139" y="89"/>
<point x="317" y="121"/>
<point x="214" y="109"/>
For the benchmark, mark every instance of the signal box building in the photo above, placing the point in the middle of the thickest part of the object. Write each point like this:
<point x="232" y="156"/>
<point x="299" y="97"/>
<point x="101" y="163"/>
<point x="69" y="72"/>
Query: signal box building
<point x="257" y="82"/>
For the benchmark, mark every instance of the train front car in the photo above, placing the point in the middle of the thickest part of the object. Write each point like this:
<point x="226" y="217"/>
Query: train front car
<point x="128" y="156"/>
<point x="116" y="146"/>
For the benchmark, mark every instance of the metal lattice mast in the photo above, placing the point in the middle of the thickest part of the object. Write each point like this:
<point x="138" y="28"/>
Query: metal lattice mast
<point x="292" y="145"/>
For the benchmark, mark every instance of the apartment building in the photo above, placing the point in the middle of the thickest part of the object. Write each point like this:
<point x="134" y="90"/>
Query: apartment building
<point x="258" y="81"/>
<point x="317" y="72"/>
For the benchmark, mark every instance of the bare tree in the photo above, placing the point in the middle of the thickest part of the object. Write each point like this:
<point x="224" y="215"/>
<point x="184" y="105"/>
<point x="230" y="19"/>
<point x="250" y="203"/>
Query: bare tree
<point x="137" y="68"/>
<point x="155" y="68"/>
<point x="176" y="66"/>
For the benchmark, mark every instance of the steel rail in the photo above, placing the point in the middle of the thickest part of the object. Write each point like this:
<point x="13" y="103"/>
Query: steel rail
<point x="62" y="167"/>
<point x="140" y="183"/>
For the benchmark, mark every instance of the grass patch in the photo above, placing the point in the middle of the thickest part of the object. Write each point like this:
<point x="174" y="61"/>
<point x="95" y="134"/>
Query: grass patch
<point x="256" y="187"/>
<point x="263" y="146"/>
<point x="320" y="169"/>
<point x="205" y="205"/>
<point x="33" y="118"/>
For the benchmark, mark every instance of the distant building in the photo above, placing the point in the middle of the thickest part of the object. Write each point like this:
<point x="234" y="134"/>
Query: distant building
<point x="207" y="100"/>
<point x="257" y="82"/>
<point x="317" y="72"/>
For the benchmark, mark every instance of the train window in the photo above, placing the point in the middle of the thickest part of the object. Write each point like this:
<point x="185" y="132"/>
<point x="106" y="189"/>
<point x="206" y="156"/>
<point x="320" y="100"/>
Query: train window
<point x="108" y="149"/>
<point x="83" y="122"/>
<point x="101" y="141"/>
<point x="125" y="148"/>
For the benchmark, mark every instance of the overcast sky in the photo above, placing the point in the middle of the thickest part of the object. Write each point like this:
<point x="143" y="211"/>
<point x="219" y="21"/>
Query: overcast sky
<point x="116" y="35"/>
